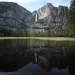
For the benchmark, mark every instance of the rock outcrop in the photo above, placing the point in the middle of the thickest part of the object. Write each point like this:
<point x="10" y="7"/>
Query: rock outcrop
<point x="55" y="17"/>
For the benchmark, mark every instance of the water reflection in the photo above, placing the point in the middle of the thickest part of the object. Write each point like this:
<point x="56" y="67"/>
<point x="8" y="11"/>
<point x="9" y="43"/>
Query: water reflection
<point x="46" y="56"/>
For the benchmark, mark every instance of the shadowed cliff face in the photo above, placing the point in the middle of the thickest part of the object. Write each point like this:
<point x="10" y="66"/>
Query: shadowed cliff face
<point x="12" y="15"/>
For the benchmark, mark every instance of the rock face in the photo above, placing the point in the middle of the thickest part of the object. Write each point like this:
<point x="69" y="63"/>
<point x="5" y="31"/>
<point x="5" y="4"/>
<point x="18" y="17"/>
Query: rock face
<point x="56" y="17"/>
<point x="11" y="14"/>
<point x="17" y="18"/>
<point x="45" y="11"/>
<point x="49" y="19"/>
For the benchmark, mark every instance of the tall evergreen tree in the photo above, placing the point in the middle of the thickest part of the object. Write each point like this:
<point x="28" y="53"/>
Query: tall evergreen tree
<point x="72" y="16"/>
<point x="72" y="12"/>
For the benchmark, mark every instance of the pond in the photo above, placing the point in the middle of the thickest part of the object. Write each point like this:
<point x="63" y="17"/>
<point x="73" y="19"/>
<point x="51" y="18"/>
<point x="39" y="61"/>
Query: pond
<point x="37" y="57"/>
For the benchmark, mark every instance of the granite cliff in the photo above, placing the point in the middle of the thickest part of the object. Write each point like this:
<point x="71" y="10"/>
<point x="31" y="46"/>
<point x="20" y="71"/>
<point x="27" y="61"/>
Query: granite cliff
<point x="52" y="17"/>
<point x="14" y="17"/>
<point x="48" y="18"/>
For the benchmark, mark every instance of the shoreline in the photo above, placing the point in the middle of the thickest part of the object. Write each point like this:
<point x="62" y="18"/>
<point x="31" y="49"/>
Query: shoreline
<point x="39" y="38"/>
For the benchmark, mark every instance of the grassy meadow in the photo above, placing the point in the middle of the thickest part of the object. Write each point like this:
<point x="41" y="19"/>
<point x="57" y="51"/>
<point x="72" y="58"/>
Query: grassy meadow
<point x="41" y="38"/>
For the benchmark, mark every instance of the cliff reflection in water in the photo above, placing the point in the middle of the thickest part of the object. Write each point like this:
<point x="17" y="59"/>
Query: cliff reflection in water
<point x="15" y="54"/>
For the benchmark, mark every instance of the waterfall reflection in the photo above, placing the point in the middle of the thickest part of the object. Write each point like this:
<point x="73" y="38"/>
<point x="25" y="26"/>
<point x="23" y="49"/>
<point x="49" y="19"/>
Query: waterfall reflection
<point x="15" y="54"/>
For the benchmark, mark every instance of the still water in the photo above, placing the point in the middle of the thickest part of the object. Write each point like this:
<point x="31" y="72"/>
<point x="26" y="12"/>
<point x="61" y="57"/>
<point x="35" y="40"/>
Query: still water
<point x="36" y="57"/>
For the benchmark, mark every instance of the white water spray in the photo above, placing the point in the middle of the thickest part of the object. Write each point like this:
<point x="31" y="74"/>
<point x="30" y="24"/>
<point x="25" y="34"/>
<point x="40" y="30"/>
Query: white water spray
<point x="36" y="17"/>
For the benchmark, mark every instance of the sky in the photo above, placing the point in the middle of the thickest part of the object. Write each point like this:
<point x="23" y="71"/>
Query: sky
<point x="33" y="5"/>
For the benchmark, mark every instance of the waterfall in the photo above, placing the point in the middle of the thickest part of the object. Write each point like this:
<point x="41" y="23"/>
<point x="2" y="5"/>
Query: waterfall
<point x="36" y="17"/>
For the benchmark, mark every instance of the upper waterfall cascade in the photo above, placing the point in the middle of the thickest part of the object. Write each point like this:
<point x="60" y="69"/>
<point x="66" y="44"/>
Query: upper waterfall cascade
<point x="36" y="18"/>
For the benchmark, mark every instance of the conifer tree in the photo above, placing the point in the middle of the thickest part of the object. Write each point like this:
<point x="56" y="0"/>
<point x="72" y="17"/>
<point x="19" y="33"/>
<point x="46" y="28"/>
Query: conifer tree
<point x="72" y="16"/>
<point x="72" y="12"/>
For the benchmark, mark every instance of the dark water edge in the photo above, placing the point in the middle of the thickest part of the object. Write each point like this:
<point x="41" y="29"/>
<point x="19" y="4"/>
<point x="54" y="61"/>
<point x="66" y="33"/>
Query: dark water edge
<point x="35" y="57"/>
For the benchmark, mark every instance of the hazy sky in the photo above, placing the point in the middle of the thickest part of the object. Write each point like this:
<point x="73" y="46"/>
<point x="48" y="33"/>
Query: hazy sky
<point x="32" y="5"/>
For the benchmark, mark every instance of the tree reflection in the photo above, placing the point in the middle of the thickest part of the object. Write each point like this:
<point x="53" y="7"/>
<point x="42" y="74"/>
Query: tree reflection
<point x="15" y="54"/>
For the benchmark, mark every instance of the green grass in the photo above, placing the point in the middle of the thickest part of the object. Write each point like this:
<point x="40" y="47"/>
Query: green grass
<point x="41" y="38"/>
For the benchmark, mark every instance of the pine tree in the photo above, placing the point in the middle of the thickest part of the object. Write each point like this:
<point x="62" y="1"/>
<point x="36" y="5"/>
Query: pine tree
<point x="72" y="16"/>
<point x="72" y="12"/>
